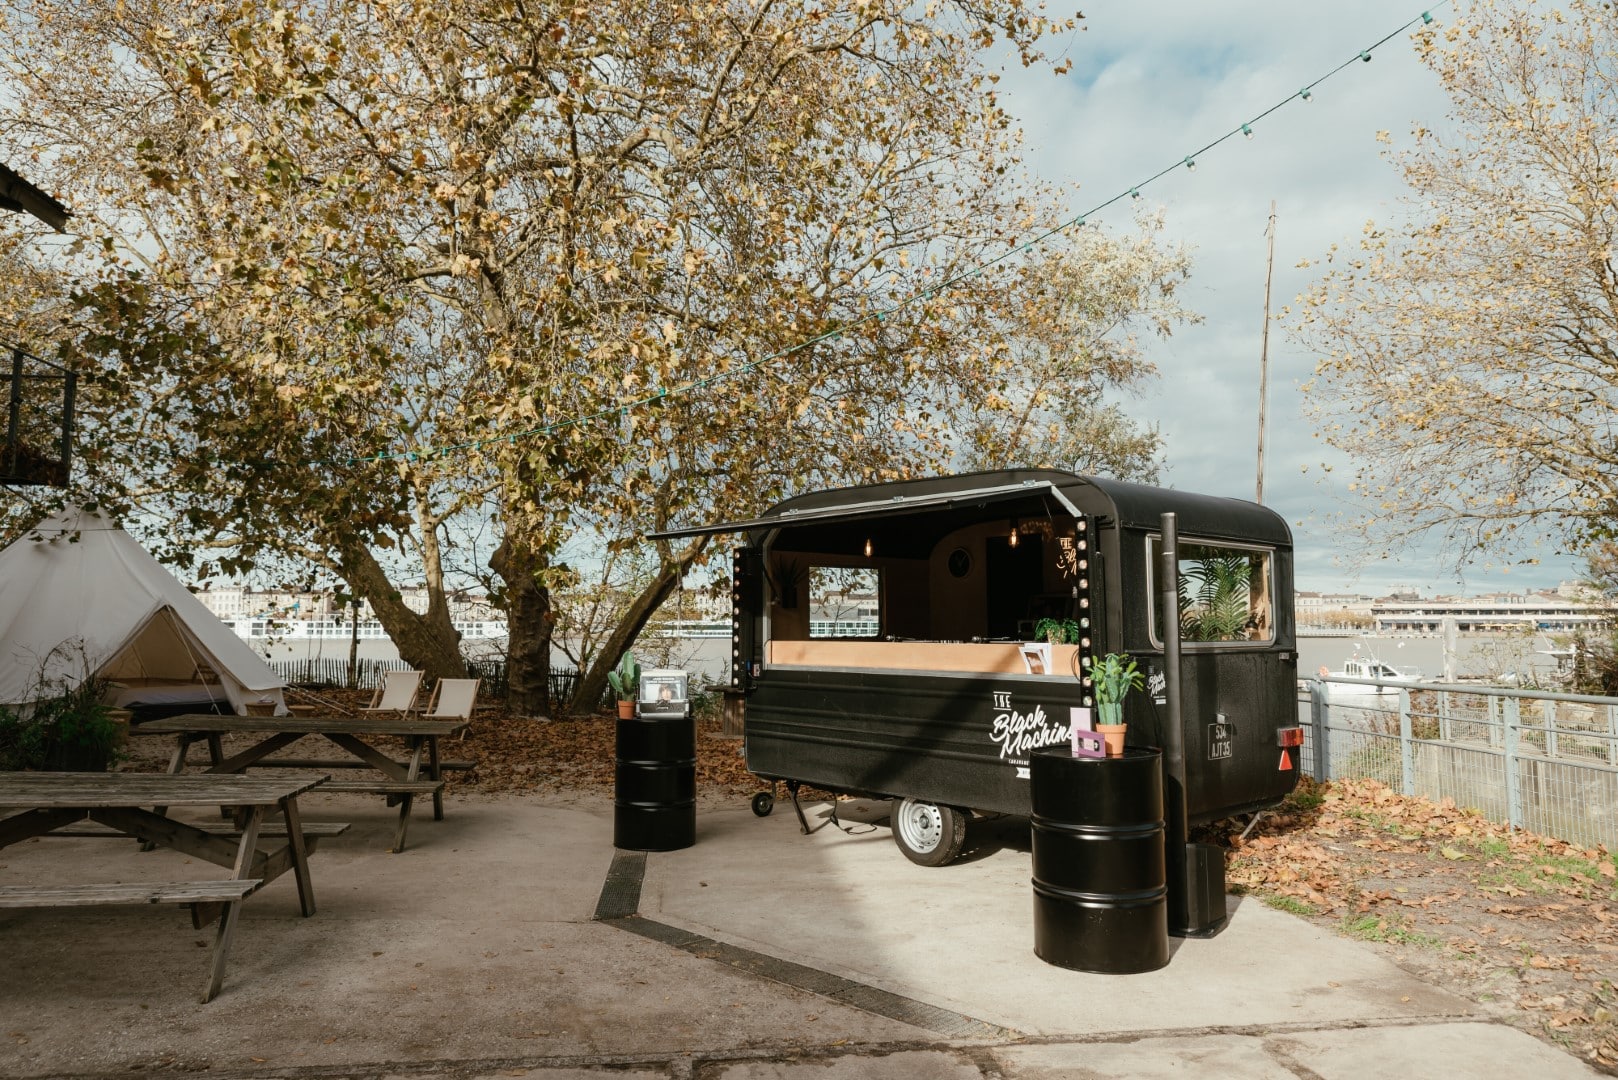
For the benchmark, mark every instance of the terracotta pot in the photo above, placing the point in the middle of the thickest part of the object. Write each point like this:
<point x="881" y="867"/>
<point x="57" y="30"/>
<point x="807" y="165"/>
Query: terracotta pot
<point x="1113" y="734"/>
<point x="626" y="710"/>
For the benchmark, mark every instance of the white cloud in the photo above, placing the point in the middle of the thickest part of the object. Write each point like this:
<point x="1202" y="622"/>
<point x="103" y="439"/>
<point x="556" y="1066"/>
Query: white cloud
<point x="1154" y="81"/>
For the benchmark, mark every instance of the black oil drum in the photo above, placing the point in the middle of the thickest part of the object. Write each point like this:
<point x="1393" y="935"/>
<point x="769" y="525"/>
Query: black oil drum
<point x="1100" y="887"/>
<point x="655" y="801"/>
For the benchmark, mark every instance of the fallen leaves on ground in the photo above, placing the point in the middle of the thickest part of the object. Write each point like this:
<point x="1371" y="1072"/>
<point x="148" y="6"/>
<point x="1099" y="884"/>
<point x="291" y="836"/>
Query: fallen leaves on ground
<point x="1520" y="923"/>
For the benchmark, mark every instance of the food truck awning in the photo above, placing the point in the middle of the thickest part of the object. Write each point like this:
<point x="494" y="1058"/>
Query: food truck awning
<point x="861" y="505"/>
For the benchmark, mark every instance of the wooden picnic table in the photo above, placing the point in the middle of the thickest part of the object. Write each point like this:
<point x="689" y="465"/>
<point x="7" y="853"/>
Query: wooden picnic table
<point x="420" y="773"/>
<point x="46" y="802"/>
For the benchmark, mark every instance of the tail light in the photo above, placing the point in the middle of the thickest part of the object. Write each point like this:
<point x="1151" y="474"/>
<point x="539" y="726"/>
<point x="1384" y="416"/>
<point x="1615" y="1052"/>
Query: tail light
<point x="1289" y="736"/>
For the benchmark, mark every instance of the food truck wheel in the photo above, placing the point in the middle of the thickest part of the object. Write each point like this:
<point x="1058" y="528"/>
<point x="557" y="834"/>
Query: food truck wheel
<point x="763" y="803"/>
<point x="928" y="834"/>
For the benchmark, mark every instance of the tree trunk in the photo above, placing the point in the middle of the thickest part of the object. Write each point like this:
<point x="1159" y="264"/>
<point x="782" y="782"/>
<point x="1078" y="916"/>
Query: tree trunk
<point x="428" y="642"/>
<point x="529" y="623"/>
<point x="593" y="684"/>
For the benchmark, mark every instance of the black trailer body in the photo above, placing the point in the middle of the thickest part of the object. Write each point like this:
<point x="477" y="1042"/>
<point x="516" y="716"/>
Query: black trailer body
<point x="945" y="694"/>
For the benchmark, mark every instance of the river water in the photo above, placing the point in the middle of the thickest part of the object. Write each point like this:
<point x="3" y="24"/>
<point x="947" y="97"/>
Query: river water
<point x="1476" y="655"/>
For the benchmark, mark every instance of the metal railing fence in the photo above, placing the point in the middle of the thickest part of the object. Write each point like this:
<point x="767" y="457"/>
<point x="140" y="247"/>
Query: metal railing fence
<point x="1541" y="761"/>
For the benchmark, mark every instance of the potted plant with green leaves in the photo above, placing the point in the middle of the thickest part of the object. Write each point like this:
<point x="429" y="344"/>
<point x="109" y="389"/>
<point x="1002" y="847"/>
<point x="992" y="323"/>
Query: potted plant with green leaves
<point x="1112" y="677"/>
<point x="626" y="684"/>
<point x="1057" y="631"/>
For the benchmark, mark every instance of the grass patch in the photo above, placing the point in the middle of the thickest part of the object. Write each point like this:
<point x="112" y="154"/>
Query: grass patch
<point x="1307" y="796"/>
<point x="1289" y="904"/>
<point x="1543" y="872"/>
<point x="1385" y="928"/>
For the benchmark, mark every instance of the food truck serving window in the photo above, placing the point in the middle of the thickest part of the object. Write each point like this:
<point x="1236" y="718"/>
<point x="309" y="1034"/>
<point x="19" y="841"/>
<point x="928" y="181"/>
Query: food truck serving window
<point x="1226" y="592"/>
<point x="844" y="602"/>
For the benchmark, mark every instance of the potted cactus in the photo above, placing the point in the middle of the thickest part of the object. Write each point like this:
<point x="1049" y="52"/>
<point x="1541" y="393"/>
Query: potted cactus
<point x="626" y="684"/>
<point x="1113" y="676"/>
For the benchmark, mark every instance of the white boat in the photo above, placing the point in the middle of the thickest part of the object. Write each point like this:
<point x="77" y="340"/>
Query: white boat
<point x="1366" y="667"/>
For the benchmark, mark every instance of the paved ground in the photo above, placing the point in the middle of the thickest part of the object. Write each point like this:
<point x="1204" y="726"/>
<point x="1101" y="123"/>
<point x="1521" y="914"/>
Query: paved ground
<point x="512" y="940"/>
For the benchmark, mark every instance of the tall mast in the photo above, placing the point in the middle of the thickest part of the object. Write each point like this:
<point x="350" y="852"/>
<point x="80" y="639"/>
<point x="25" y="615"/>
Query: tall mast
<point x="1264" y="351"/>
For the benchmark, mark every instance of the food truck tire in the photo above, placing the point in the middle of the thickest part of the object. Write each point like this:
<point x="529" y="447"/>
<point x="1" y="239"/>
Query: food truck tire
<point x="763" y="803"/>
<point x="929" y="834"/>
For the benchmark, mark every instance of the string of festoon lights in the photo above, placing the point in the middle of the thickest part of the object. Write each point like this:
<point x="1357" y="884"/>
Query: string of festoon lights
<point x="623" y="407"/>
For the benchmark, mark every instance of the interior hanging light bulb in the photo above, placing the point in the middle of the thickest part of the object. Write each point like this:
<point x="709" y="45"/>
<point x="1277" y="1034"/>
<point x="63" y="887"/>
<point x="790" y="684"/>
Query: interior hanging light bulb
<point x="1012" y="540"/>
<point x="867" y="547"/>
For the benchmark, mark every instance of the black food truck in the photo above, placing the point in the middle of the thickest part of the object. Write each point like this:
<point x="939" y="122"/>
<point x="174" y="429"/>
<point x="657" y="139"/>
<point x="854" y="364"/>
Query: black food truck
<point x="884" y="639"/>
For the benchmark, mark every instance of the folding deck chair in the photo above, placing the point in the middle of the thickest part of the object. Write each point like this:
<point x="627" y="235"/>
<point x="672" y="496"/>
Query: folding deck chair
<point x="452" y="699"/>
<point x="396" y="694"/>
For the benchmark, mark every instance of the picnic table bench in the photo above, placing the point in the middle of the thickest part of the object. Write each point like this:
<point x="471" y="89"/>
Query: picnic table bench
<point x="44" y="804"/>
<point x="421" y="773"/>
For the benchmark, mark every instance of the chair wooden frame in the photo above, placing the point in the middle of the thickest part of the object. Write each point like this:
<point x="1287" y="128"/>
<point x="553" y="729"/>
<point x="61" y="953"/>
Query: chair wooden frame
<point x="452" y="699"/>
<point x="396" y="693"/>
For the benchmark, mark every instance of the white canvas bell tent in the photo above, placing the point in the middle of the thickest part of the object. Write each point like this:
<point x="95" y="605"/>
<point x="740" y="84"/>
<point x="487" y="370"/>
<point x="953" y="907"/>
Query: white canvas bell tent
<point x="80" y="597"/>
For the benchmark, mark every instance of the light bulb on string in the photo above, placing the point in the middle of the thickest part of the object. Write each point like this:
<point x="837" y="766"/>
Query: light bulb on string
<point x="1134" y="193"/>
<point x="867" y="547"/>
<point x="1190" y="164"/>
<point x="1247" y="130"/>
<point x="1305" y="93"/>
<point x="1365" y="55"/>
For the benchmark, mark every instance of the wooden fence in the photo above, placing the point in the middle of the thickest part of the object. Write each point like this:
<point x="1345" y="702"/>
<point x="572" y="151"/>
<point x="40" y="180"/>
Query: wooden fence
<point x="316" y="672"/>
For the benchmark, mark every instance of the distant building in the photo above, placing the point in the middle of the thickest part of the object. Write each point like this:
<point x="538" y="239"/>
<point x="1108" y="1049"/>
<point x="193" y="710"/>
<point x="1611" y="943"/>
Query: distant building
<point x="1519" y="611"/>
<point x="233" y="602"/>
<point x="1316" y="610"/>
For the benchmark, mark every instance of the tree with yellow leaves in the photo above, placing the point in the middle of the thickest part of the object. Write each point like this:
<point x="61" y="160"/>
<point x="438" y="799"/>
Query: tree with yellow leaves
<point x="1470" y="354"/>
<point x="356" y="280"/>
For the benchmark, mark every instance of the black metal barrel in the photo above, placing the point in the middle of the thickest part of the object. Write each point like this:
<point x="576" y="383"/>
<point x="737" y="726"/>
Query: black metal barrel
<point x="1100" y="885"/>
<point x="655" y="801"/>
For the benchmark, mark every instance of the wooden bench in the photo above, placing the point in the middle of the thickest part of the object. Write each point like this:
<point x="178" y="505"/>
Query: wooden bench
<point x="208" y="900"/>
<point x="321" y="764"/>
<point x="399" y="792"/>
<point x="384" y="787"/>
<point x="311" y="830"/>
<point x="134" y="892"/>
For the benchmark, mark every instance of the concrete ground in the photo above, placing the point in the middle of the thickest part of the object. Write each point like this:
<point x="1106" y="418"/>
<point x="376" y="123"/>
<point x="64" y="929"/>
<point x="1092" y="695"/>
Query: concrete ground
<point x="512" y="940"/>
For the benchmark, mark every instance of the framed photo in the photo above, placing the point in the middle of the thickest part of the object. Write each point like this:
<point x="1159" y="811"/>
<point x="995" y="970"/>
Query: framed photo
<point x="1087" y="742"/>
<point x="1036" y="657"/>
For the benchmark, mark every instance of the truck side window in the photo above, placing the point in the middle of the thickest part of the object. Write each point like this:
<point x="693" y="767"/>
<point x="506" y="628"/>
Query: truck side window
<point x="1225" y="592"/>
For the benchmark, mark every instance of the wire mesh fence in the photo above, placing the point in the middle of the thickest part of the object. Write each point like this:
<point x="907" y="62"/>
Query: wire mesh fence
<point x="1536" y="760"/>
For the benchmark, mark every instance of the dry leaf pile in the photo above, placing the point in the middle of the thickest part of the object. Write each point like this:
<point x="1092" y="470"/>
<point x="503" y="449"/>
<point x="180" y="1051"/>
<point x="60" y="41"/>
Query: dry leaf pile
<point x="1526" y="925"/>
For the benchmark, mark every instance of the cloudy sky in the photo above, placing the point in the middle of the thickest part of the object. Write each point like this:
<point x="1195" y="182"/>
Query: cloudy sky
<point x="1154" y="81"/>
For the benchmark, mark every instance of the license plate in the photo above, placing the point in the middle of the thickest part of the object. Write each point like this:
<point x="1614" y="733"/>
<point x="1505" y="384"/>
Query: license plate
<point x="1219" y="741"/>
